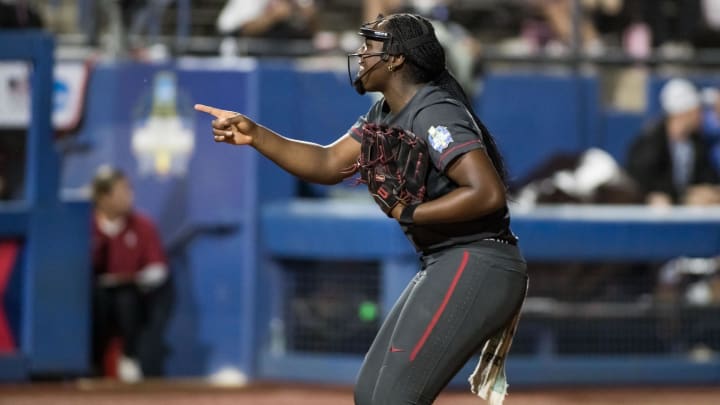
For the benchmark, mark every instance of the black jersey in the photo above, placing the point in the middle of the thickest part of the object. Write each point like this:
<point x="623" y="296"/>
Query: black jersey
<point x="450" y="131"/>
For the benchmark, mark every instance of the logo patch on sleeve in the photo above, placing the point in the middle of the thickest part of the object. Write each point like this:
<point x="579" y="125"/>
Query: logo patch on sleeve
<point x="439" y="138"/>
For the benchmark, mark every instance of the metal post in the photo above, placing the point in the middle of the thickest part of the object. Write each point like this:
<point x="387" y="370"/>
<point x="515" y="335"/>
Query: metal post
<point x="576" y="39"/>
<point x="182" y="25"/>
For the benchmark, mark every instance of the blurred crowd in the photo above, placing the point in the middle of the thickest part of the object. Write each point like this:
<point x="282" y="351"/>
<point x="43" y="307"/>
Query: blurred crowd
<point x="638" y="28"/>
<point x="476" y="34"/>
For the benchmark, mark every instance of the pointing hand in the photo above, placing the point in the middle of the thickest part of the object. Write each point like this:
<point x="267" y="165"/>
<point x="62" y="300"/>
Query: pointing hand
<point x="229" y="126"/>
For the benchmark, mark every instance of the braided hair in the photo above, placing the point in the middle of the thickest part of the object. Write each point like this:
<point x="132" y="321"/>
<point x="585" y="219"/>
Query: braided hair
<point x="425" y="63"/>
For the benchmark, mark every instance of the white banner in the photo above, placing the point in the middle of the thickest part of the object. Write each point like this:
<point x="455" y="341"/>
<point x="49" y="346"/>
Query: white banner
<point x="68" y="94"/>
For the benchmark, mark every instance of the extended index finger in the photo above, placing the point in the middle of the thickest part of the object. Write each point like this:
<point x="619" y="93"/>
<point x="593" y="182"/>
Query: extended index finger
<point x="210" y="110"/>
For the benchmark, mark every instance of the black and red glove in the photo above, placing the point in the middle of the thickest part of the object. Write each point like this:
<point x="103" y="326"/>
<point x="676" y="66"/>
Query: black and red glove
<point x="394" y="164"/>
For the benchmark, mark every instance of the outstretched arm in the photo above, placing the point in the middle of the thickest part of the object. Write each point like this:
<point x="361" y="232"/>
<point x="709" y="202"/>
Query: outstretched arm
<point x="308" y="161"/>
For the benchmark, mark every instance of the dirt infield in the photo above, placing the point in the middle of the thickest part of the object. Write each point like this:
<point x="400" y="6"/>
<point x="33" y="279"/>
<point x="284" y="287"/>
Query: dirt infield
<point x="185" y="393"/>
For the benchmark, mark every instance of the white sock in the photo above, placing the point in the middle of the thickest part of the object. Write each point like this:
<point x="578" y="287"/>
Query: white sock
<point x="128" y="370"/>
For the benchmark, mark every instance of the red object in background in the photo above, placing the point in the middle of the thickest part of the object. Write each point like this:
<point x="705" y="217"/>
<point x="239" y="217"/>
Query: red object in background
<point x="112" y="357"/>
<point x="8" y="254"/>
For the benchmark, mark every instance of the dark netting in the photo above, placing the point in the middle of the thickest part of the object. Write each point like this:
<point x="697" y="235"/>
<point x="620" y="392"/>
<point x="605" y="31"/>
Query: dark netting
<point x="331" y="307"/>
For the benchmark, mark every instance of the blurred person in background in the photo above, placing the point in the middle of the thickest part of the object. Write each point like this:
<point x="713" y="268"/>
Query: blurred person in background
<point x="372" y="8"/>
<point x="269" y="19"/>
<point x="711" y="121"/>
<point x="672" y="164"/>
<point x="676" y="27"/>
<point x="16" y="14"/>
<point x="670" y="161"/>
<point x="558" y="14"/>
<point x="133" y="27"/>
<point x="711" y="112"/>
<point x="131" y="280"/>
<point x="145" y="23"/>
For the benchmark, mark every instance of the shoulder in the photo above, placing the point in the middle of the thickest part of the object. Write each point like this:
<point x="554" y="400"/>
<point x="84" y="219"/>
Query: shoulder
<point x="440" y="109"/>
<point x="438" y="102"/>
<point x="433" y="95"/>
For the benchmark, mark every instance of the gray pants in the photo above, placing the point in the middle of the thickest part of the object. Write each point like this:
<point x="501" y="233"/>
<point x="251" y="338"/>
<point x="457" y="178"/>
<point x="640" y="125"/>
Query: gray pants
<point x="460" y="298"/>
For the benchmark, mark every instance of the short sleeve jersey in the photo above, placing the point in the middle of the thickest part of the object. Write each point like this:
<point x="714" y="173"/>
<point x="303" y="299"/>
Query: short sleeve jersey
<point x="450" y="131"/>
<point x="134" y="247"/>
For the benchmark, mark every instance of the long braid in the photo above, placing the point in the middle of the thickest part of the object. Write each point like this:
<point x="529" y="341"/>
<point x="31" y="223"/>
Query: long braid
<point x="448" y="83"/>
<point x="426" y="63"/>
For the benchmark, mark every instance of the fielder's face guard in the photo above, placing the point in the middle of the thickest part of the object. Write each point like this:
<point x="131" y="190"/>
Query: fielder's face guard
<point x="368" y="31"/>
<point x="391" y="46"/>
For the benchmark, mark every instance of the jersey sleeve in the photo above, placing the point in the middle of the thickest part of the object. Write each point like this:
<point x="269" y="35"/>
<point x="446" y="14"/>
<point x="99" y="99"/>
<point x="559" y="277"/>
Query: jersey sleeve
<point x="355" y="130"/>
<point x="372" y="115"/>
<point x="449" y="130"/>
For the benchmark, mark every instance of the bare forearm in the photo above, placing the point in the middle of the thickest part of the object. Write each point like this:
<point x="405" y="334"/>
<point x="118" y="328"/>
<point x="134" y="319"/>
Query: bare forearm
<point x="306" y="160"/>
<point x="309" y="161"/>
<point x="462" y="204"/>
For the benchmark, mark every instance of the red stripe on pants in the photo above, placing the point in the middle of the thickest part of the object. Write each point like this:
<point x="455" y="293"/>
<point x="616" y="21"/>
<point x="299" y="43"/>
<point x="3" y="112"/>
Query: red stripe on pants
<point x="440" y="309"/>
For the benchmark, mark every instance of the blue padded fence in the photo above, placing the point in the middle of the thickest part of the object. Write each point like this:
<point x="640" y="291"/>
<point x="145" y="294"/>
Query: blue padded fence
<point x="51" y="289"/>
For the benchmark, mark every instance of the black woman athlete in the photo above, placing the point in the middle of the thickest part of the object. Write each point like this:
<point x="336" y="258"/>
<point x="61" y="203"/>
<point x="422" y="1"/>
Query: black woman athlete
<point x="472" y="279"/>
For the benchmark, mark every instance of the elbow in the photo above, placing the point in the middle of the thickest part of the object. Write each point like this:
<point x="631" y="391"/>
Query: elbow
<point x="329" y="179"/>
<point x="496" y="204"/>
<point x="336" y="171"/>
<point x="333" y="177"/>
<point x="492" y="202"/>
